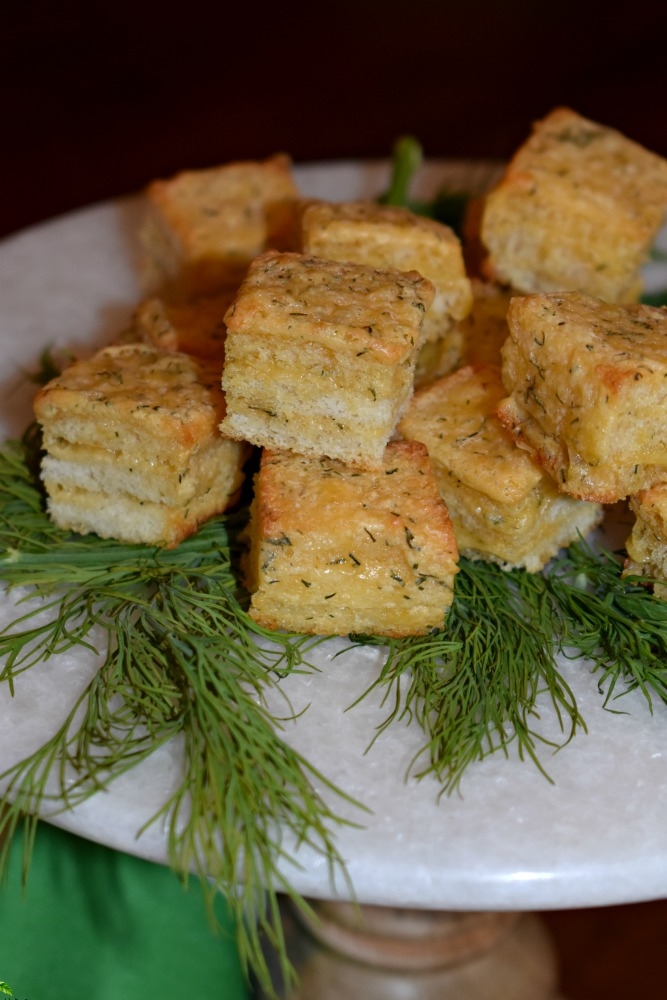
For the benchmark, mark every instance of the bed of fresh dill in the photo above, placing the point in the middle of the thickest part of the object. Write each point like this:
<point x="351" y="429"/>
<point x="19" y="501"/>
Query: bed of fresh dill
<point x="181" y="657"/>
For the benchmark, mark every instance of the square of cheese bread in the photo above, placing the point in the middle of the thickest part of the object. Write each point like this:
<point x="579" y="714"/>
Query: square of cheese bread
<point x="320" y="355"/>
<point x="203" y="227"/>
<point x="196" y="327"/>
<point x="384" y="236"/>
<point x="587" y="391"/>
<point x="132" y="445"/>
<point x="336" y="551"/>
<point x="504" y="508"/>
<point x="647" y="544"/>
<point x="578" y="208"/>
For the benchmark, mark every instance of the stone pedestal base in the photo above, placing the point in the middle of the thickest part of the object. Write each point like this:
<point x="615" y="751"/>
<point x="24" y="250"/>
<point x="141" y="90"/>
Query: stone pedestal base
<point x="347" y="952"/>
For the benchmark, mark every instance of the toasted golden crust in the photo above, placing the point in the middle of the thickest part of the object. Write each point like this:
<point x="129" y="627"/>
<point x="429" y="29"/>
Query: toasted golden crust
<point x="587" y="384"/>
<point x="132" y="445"/>
<point x="196" y="328"/>
<point x="203" y="227"/>
<point x="384" y="236"/>
<point x="578" y="208"/>
<point x="439" y="357"/>
<point x="338" y="551"/>
<point x="503" y="506"/>
<point x="344" y="306"/>
<point x="484" y="330"/>
<point x="155" y="395"/>
<point x="476" y="339"/>
<point x="320" y="355"/>
<point x="647" y="544"/>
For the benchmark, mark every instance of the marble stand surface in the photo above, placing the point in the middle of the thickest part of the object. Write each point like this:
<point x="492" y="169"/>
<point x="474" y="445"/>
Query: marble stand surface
<point x="510" y="840"/>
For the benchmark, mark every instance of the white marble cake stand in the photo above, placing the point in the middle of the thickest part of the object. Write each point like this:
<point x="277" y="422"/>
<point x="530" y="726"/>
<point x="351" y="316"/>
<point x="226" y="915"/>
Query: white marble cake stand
<point x="511" y="841"/>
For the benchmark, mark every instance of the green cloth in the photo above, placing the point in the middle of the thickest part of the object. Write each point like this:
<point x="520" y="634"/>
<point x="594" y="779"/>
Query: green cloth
<point x="97" y="924"/>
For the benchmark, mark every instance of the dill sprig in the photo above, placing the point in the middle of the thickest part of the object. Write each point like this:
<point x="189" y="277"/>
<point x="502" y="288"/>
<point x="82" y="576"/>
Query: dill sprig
<point x="492" y="679"/>
<point x="448" y="206"/>
<point x="613" y="621"/>
<point x="475" y="688"/>
<point x="180" y="657"/>
<point x="406" y="160"/>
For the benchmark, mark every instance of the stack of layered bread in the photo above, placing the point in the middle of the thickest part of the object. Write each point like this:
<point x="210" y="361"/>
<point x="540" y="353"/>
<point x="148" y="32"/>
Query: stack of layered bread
<point x="399" y="395"/>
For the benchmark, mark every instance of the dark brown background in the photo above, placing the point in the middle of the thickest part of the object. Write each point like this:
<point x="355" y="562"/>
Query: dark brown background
<point x="100" y="96"/>
<point x="97" y="98"/>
